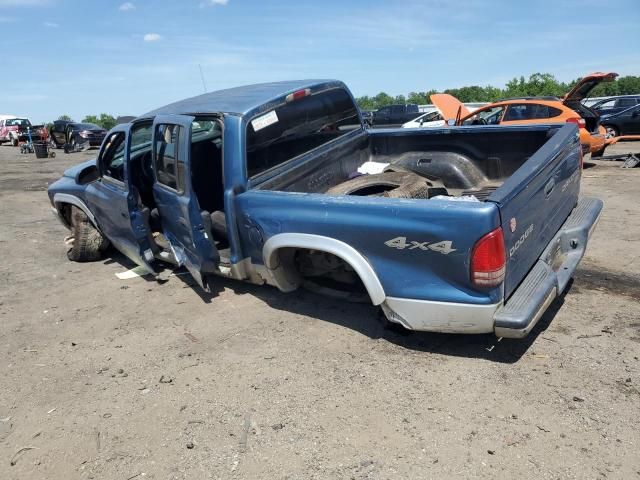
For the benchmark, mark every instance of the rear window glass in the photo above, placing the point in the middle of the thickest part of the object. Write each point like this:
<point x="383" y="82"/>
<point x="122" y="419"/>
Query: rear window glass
<point x="19" y="121"/>
<point x="298" y="127"/>
<point x="626" y="102"/>
<point x="530" y="111"/>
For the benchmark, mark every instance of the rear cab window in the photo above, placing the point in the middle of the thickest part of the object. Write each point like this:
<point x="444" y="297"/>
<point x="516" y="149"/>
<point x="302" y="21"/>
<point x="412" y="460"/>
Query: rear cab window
<point x="297" y="127"/>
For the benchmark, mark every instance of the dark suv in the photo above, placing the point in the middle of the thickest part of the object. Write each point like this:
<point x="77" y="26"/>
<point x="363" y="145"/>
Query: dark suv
<point x="394" y="115"/>
<point x="72" y="134"/>
<point x="609" y="106"/>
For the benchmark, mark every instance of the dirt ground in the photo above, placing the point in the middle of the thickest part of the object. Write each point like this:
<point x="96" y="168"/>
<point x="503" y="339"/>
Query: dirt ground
<point x="120" y="379"/>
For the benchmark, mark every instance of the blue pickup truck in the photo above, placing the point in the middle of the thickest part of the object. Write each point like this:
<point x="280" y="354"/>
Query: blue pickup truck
<point x="460" y="229"/>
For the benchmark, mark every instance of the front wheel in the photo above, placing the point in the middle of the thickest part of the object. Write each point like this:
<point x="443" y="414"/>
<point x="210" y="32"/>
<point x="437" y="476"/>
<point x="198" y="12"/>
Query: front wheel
<point x="611" y="132"/>
<point x="85" y="242"/>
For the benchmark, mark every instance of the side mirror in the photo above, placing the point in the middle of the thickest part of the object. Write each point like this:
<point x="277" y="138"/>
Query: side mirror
<point x="451" y="122"/>
<point x="421" y="121"/>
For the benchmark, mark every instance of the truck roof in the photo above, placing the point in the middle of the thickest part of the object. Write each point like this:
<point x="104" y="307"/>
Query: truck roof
<point x="238" y="100"/>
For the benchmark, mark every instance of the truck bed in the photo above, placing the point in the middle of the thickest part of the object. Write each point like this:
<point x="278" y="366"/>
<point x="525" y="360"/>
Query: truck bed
<point x="530" y="174"/>
<point x="467" y="161"/>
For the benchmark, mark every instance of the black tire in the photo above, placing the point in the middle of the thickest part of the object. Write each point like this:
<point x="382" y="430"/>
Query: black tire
<point x="14" y="141"/>
<point x="87" y="244"/>
<point x="387" y="184"/>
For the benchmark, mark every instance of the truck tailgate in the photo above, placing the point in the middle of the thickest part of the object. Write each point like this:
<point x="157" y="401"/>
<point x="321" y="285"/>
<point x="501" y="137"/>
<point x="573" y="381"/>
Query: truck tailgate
<point x="536" y="200"/>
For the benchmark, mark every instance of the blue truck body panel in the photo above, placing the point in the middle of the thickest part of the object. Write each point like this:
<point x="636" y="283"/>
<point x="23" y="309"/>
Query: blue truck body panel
<point x="418" y="250"/>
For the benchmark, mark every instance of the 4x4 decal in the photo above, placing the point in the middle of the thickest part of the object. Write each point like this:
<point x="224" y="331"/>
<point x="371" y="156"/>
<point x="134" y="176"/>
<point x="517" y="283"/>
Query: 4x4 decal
<point x="401" y="243"/>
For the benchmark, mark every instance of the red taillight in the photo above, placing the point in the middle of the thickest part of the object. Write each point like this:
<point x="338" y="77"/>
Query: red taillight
<point x="488" y="260"/>
<point x="298" y="95"/>
<point x="578" y="121"/>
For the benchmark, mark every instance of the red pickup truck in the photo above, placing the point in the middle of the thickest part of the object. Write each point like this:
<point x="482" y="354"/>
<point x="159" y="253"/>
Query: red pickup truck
<point x="16" y="130"/>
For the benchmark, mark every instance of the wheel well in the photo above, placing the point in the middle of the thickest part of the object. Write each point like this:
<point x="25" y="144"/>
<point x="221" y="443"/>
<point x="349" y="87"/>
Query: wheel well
<point x="280" y="253"/>
<point x="64" y="211"/>
<point x="329" y="270"/>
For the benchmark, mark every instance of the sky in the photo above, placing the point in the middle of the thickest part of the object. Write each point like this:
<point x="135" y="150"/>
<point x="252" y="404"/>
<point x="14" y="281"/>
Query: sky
<point x="126" y="58"/>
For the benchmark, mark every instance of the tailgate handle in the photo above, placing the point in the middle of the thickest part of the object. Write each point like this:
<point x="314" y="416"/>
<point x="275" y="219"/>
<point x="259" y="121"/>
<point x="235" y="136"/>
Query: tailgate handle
<point x="548" y="188"/>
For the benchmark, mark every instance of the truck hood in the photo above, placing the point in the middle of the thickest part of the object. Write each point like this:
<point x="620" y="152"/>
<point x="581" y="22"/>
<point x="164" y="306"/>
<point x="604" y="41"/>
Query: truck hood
<point x="73" y="171"/>
<point x="449" y="106"/>
<point x="586" y="84"/>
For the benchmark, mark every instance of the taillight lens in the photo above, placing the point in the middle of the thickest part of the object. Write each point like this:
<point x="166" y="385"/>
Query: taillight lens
<point x="488" y="260"/>
<point x="578" y="121"/>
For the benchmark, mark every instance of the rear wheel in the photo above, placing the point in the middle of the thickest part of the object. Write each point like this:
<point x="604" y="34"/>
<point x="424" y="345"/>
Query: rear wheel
<point x="85" y="242"/>
<point x="14" y="141"/>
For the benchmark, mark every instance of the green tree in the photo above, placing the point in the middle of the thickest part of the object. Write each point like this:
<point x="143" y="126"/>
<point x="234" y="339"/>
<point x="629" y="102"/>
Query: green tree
<point x="538" y="84"/>
<point x="105" y="120"/>
<point x="91" y="119"/>
<point x="629" y="85"/>
<point x="66" y="118"/>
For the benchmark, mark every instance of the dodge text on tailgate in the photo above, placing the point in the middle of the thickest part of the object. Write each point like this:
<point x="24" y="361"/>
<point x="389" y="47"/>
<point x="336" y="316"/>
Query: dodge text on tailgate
<point x="465" y="229"/>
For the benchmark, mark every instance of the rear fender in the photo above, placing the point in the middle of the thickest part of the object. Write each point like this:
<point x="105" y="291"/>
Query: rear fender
<point x="286" y="278"/>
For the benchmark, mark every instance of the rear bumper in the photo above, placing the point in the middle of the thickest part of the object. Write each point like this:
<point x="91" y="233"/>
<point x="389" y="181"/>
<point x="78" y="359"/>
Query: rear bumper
<point x="519" y="314"/>
<point x="550" y="275"/>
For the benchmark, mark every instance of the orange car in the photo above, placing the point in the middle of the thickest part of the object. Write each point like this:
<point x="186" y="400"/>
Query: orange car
<point x="532" y="110"/>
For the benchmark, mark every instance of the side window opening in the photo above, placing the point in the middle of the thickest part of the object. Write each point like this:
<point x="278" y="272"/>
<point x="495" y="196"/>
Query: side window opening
<point x="112" y="161"/>
<point x="169" y="168"/>
<point x="207" y="165"/>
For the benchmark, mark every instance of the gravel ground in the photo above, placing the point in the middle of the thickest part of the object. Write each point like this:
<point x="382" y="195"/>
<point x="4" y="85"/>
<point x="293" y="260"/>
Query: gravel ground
<point x="121" y="379"/>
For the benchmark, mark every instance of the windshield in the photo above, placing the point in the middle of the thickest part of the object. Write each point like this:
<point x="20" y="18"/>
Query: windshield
<point x="87" y="126"/>
<point x="489" y="116"/>
<point x="429" y="117"/>
<point x="22" y="122"/>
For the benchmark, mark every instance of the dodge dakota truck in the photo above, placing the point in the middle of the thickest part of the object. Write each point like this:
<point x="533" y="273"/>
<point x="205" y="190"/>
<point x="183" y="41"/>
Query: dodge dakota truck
<point x="463" y="229"/>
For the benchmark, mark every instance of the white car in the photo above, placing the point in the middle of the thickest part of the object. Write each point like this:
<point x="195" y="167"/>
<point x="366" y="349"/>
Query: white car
<point x="433" y="118"/>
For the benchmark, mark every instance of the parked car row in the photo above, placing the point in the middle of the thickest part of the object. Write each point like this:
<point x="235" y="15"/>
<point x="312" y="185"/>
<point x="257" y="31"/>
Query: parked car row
<point x="607" y="118"/>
